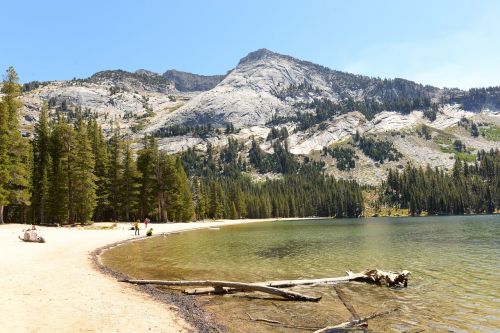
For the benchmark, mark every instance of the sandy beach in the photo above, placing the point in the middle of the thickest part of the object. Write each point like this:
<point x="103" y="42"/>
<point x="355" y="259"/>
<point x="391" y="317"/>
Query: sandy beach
<point x="55" y="286"/>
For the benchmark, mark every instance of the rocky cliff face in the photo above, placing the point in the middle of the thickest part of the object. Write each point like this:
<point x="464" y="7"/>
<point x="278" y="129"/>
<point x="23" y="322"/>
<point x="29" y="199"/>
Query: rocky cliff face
<point x="266" y="84"/>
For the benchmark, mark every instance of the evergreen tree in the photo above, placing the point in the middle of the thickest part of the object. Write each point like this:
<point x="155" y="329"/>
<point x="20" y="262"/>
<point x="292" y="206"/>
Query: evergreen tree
<point x="187" y="211"/>
<point x="84" y="180"/>
<point x="41" y="167"/>
<point x="61" y="140"/>
<point x="147" y="181"/>
<point x="101" y="170"/>
<point x="216" y="203"/>
<point x="115" y="172"/>
<point x="129" y="183"/>
<point x="14" y="149"/>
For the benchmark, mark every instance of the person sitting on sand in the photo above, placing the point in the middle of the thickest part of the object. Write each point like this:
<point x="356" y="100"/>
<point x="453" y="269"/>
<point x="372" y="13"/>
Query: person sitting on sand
<point x="136" y="228"/>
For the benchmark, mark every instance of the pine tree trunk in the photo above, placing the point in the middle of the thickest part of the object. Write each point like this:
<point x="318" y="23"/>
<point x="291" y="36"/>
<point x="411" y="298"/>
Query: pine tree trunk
<point x="42" y="216"/>
<point x="1" y="214"/>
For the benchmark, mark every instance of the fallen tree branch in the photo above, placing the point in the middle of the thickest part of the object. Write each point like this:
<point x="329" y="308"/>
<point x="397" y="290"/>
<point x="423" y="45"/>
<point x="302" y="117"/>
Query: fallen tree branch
<point x="391" y="279"/>
<point x="346" y="303"/>
<point x="349" y="307"/>
<point x="235" y="285"/>
<point x="353" y="323"/>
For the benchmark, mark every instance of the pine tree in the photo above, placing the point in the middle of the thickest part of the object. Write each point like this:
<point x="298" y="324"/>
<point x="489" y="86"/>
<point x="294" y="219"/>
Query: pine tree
<point x="233" y="212"/>
<point x="216" y="204"/>
<point x="115" y="172"/>
<point x="61" y="140"/>
<point x="169" y="185"/>
<point x="201" y="201"/>
<point x="14" y="149"/>
<point x="147" y="181"/>
<point x="130" y="185"/>
<point x="101" y="170"/>
<point x="187" y="210"/>
<point x="83" y="186"/>
<point x="41" y="167"/>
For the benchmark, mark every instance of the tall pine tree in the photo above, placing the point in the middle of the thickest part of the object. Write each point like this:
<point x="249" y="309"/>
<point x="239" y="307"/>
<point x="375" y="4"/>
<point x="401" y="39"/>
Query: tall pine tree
<point x="41" y="167"/>
<point x="14" y="149"/>
<point x="84" y="182"/>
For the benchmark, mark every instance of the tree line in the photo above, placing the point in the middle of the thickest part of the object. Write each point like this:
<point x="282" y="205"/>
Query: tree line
<point x="470" y="188"/>
<point x="79" y="176"/>
<point x="222" y="188"/>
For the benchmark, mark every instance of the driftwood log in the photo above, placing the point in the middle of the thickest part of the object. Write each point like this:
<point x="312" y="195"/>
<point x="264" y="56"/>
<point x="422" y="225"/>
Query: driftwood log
<point x="233" y="285"/>
<point x="376" y="276"/>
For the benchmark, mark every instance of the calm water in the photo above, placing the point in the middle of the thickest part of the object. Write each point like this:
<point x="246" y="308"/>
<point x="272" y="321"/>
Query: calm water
<point x="454" y="286"/>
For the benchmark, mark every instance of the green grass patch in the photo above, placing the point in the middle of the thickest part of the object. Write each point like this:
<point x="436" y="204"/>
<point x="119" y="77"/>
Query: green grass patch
<point x="491" y="133"/>
<point x="448" y="149"/>
<point x="459" y="155"/>
<point x="175" y="107"/>
<point x="467" y="157"/>
<point x="443" y="139"/>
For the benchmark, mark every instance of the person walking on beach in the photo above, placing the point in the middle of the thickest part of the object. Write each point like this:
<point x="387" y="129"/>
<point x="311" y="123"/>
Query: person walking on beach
<point x="146" y="221"/>
<point x="136" y="228"/>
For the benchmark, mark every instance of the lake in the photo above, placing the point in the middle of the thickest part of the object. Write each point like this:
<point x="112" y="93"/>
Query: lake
<point x="454" y="261"/>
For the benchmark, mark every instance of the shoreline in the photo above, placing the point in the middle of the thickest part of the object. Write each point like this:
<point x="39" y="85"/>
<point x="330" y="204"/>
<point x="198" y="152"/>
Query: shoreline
<point x="188" y="307"/>
<point x="58" y="286"/>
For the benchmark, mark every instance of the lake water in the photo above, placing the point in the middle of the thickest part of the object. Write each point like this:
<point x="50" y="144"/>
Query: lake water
<point x="454" y="286"/>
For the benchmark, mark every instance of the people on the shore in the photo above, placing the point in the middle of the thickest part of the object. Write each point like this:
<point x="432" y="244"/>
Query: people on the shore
<point x="136" y="228"/>
<point x="146" y="221"/>
<point x="149" y="232"/>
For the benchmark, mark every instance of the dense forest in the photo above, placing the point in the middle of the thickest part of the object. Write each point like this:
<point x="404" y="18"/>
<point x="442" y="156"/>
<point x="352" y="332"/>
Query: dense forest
<point x="222" y="188"/>
<point x="470" y="188"/>
<point x="476" y="99"/>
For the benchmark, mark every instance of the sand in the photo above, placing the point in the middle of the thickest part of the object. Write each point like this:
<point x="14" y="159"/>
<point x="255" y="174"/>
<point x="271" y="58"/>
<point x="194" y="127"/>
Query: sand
<point x="55" y="286"/>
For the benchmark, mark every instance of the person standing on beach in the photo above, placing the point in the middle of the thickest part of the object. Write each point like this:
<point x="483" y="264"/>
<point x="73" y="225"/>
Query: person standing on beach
<point x="136" y="228"/>
<point x="146" y="221"/>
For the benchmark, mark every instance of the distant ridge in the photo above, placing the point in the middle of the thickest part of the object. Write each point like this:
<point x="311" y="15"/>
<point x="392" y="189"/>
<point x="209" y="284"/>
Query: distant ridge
<point x="185" y="81"/>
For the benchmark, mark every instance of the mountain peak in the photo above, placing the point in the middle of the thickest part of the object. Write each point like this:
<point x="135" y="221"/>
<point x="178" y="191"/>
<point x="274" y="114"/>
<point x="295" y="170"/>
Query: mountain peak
<point x="258" y="55"/>
<point x="146" y="72"/>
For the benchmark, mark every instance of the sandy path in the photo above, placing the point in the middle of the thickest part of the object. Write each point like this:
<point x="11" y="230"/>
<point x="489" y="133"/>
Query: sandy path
<point x="53" y="287"/>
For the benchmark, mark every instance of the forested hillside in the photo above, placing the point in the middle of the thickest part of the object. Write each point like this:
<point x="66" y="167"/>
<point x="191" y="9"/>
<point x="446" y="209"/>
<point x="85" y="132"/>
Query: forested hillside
<point x="70" y="172"/>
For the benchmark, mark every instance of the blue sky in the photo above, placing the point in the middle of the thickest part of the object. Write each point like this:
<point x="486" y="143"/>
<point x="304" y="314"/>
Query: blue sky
<point x="443" y="43"/>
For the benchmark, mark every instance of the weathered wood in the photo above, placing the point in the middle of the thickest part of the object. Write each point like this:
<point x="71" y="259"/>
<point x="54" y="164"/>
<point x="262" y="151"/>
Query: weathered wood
<point x="353" y="323"/>
<point x="390" y="279"/>
<point x="210" y="291"/>
<point x="376" y="276"/>
<point x="235" y="285"/>
<point x="346" y="303"/>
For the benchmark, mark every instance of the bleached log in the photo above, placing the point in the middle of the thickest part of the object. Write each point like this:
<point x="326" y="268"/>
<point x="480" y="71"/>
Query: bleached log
<point x="235" y="285"/>
<point x="376" y="276"/>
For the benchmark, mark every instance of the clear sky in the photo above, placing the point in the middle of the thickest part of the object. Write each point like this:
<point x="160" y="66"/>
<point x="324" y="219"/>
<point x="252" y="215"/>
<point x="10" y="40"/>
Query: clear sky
<point x="440" y="42"/>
